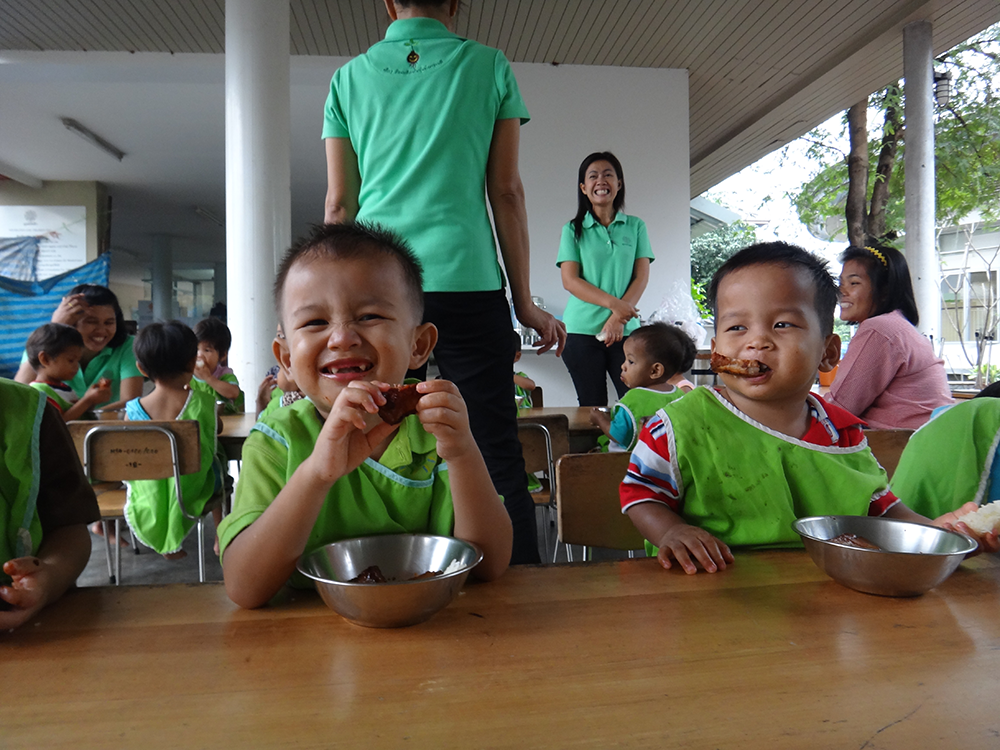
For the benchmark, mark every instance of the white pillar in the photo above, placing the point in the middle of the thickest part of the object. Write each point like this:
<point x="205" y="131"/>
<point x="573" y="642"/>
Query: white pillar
<point x="162" y="278"/>
<point x="918" y="62"/>
<point x="258" y="175"/>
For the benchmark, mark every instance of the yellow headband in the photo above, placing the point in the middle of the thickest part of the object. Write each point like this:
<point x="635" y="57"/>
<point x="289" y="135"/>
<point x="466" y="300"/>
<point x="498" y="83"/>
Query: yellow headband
<point x="878" y="255"/>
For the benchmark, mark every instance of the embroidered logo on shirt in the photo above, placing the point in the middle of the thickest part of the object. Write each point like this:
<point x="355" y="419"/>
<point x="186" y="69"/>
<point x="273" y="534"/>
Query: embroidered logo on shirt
<point x="413" y="56"/>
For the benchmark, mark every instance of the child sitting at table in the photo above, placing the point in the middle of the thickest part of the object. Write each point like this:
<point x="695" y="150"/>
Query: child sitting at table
<point x="735" y="465"/>
<point x="166" y="353"/>
<point x="280" y="388"/>
<point x="214" y="340"/>
<point x="45" y="506"/>
<point x="656" y="355"/>
<point x="54" y="351"/>
<point x="523" y="385"/>
<point x="350" y="301"/>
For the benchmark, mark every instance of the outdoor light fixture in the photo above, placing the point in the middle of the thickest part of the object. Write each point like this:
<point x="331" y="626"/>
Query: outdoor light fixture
<point x="942" y="88"/>
<point x="206" y="214"/>
<point x="89" y="135"/>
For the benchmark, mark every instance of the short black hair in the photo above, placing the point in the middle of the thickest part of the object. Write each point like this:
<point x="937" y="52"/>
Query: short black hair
<point x="990" y="391"/>
<point x="215" y="332"/>
<point x="95" y="294"/>
<point x="889" y="275"/>
<point x="165" y="349"/>
<point x="350" y="241"/>
<point x="53" y="339"/>
<point x="790" y="256"/>
<point x="668" y="345"/>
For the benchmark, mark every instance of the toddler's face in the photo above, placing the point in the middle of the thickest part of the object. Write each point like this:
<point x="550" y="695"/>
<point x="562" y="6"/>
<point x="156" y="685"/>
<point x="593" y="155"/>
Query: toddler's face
<point x="208" y="355"/>
<point x="65" y="365"/>
<point x="347" y="320"/>
<point x="766" y="312"/>
<point x="637" y="369"/>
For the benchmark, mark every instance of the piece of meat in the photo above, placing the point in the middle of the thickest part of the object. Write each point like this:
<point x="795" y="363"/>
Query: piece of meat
<point x="371" y="574"/>
<point x="427" y="574"/>
<point x="853" y="540"/>
<point x="744" y="367"/>
<point x="400" y="402"/>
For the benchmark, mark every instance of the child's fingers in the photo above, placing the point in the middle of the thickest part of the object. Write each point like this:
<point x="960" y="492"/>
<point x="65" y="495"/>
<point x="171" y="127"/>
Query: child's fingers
<point x="21" y="566"/>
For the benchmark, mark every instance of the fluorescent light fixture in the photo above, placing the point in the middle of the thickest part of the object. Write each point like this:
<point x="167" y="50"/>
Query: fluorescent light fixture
<point x="206" y="214"/>
<point x="89" y="135"/>
<point x="942" y="87"/>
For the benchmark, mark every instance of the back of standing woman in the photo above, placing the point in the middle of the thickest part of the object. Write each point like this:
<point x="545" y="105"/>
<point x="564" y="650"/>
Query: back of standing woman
<point x="604" y="258"/>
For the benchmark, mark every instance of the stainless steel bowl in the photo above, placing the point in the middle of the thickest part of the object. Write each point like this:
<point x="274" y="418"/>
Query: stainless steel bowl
<point x="913" y="558"/>
<point x="400" y="557"/>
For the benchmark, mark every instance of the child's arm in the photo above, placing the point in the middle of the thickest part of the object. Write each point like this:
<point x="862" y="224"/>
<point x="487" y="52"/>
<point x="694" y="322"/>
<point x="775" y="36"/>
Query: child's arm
<point x="987" y="542"/>
<point x="267" y="386"/>
<point x="42" y="579"/>
<point x="98" y="393"/>
<point x="480" y="517"/>
<point x="228" y="391"/>
<point x="525" y="382"/>
<point x="262" y="557"/>
<point x="679" y="540"/>
<point x="601" y="418"/>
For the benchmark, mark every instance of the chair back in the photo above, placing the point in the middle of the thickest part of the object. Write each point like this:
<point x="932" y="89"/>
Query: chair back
<point x="587" y="501"/>
<point x="536" y="397"/>
<point x="122" y="451"/>
<point x="887" y="446"/>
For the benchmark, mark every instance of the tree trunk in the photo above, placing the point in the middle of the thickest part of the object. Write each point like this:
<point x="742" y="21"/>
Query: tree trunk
<point x="892" y="129"/>
<point x="857" y="174"/>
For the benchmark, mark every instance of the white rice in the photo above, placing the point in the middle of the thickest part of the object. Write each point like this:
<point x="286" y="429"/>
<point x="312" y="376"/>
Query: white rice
<point x="457" y="564"/>
<point x="984" y="520"/>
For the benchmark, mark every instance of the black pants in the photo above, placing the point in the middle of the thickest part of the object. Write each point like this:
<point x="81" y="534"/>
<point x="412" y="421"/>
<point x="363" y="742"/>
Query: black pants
<point x="475" y="351"/>
<point x="588" y="360"/>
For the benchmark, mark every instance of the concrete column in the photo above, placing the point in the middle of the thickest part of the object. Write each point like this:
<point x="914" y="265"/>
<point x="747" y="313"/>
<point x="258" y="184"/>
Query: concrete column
<point x="921" y="254"/>
<point x="163" y="278"/>
<point x="219" y="278"/>
<point x="258" y="175"/>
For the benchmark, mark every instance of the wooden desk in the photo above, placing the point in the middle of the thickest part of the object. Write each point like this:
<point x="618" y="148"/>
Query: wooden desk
<point x="582" y="434"/>
<point x="769" y="653"/>
<point x="235" y="428"/>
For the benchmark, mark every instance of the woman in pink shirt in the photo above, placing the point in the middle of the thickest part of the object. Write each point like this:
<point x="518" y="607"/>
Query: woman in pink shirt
<point x="890" y="376"/>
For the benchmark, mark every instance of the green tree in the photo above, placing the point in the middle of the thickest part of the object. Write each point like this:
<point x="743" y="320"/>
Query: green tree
<point x="712" y="249"/>
<point x="860" y="191"/>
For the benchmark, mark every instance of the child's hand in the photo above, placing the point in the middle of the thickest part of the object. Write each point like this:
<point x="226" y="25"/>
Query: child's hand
<point x="201" y="370"/>
<point x="268" y="384"/>
<point x="600" y="417"/>
<point x="987" y="542"/>
<point x="682" y="541"/>
<point x="443" y="413"/>
<point x="99" y="392"/>
<point x="27" y="593"/>
<point x="351" y="433"/>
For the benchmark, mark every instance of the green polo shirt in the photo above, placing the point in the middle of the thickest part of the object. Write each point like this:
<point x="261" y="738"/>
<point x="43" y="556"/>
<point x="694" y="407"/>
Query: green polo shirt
<point x="419" y="108"/>
<point x="607" y="257"/>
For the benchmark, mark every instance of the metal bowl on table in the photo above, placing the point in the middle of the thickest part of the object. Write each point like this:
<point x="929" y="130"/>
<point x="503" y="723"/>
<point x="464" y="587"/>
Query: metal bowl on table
<point x="404" y="599"/>
<point x="912" y="558"/>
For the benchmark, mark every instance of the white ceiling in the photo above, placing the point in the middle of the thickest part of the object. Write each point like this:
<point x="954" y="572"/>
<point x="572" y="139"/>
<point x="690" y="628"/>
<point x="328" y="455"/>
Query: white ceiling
<point x="148" y="76"/>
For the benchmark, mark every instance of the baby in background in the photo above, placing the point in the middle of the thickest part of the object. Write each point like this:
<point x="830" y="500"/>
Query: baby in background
<point x="54" y="350"/>
<point x="656" y="357"/>
<point x="736" y="464"/>
<point x="277" y="389"/>
<point x="328" y="467"/>
<point x="166" y="353"/>
<point x="214" y="340"/>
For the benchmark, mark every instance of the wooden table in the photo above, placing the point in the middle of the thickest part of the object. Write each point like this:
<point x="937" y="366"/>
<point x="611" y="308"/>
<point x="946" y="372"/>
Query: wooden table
<point x="235" y="428"/>
<point x="769" y="653"/>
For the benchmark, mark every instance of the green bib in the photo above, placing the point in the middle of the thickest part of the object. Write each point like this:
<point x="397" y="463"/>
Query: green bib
<point x="20" y="471"/>
<point x="948" y="461"/>
<point x="53" y="394"/>
<point x="635" y="407"/>
<point x="745" y="484"/>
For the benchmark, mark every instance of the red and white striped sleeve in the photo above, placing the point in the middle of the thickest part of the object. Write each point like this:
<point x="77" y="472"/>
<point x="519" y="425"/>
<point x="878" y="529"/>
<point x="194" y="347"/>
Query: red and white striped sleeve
<point x="653" y="474"/>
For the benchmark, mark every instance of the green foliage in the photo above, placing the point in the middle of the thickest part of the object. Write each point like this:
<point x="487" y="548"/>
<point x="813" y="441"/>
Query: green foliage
<point x="712" y="249"/>
<point x="967" y="148"/>
<point x="700" y="300"/>
<point x="990" y="373"/>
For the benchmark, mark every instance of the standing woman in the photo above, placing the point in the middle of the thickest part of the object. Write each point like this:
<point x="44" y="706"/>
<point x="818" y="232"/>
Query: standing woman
<point x="415" y="128"/>
<point x="890" y="376"/>
<point x="604" y="258"/>
<point x="94" y="311"/>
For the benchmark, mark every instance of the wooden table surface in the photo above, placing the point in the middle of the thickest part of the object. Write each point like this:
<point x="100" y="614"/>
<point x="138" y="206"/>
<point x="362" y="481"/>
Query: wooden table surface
<point x="769" y="653"/>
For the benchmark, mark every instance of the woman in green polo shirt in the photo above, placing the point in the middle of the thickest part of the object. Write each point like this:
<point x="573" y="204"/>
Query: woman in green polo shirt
<point x="604" y="258"/>
<point x="107" y="348"/>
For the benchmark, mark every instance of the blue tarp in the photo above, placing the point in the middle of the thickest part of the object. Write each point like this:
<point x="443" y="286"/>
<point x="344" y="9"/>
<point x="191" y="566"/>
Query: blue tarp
<point x="25" y="305"/>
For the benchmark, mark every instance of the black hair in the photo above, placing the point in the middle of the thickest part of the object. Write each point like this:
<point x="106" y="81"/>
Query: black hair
<point x="95" y="294"/>
<point x="351" y="241"/>
<point x="990" y="391"/>
<point x="165" y="349"/>
<point x="583" y="204"/>
<point x="53" y="339"/>
<point x="889" y="275"/>
<point x="216" y="333"/>
<point x="668" y="345"/>
<point x="790" y="256"/>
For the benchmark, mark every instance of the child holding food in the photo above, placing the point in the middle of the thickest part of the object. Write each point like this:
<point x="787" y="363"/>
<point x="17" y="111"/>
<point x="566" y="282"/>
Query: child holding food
<point x="336" y="464"/>
<point x="656" y="355"/>
<point x="214" y="340"/>
<point x="735" y="465"/>
<point x="54" y="351"/>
